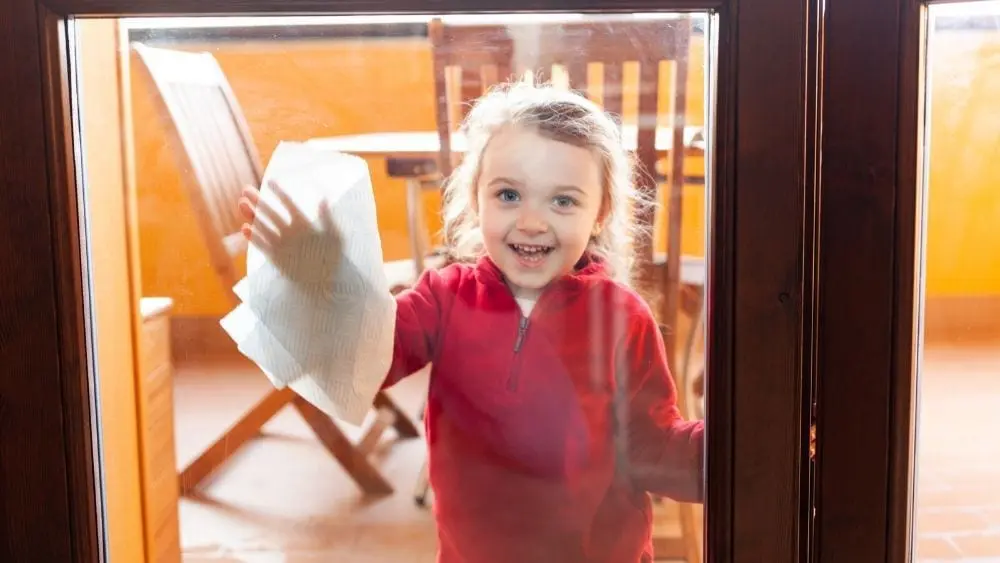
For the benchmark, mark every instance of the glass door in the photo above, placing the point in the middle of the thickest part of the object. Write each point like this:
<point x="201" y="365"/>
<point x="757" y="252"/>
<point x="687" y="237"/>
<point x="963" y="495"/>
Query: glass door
<point x="178" y="443"/>
<point x="907" y="392"/>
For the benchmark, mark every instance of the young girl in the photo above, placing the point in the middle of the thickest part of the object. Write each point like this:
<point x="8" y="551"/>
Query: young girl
<point x="551" y="412"/>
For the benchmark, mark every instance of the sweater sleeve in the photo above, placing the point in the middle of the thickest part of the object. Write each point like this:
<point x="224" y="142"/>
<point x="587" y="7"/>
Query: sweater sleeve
<point x="419" y="310"/>
<point x="665" y="452"/>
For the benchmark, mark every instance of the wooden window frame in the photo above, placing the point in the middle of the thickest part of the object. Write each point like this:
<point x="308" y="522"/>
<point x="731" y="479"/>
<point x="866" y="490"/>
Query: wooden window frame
<point x="762" y="306"/>
<point x="870" y="267"/>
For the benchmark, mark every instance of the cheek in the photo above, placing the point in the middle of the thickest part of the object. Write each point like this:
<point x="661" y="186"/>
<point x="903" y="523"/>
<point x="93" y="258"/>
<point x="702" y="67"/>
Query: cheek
<point x="578" y="225"/>
<point x="576" y="230"/>
<point x="491" y="221"/>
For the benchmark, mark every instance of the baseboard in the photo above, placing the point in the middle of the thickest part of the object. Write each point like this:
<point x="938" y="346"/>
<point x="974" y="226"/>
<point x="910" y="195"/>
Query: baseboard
<point x="200" y="338"/>
<point x="962" y="319"/>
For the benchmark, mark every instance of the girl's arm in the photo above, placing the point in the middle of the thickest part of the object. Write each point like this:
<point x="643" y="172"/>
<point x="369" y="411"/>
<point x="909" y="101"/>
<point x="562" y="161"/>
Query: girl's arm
<point x="665" y="452"/>
<point x="419" y="310"/>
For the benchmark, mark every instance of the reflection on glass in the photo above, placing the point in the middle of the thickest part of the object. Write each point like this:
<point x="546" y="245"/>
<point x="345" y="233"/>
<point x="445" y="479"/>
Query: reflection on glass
<point x="957" y="504"/>
<point x="545" y="394"/>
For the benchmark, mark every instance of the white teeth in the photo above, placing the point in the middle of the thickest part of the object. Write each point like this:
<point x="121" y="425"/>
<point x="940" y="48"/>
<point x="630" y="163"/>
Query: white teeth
<point x="530" y="249"/>
<point x="531" y="253"/>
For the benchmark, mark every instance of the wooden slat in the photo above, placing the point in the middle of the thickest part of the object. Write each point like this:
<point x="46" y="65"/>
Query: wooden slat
<point x="351" y="458"/>
<point x="613" y="87"/>
<point x="247" y="427"/>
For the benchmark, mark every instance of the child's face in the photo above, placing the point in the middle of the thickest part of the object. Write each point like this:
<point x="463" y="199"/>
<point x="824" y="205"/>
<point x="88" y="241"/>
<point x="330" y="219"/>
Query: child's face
<point x="539" y="201"/>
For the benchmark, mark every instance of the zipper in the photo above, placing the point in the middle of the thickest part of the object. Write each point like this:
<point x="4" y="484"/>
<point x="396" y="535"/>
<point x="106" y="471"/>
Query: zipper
<point x="522" y="331"/>
<point x="522" y="328"/>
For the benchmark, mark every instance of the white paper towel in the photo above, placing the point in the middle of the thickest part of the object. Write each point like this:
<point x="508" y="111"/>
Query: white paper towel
<point x="318" y="316"/>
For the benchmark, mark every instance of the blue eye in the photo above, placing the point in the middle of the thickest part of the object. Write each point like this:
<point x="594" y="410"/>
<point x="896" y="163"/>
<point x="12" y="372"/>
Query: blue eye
<point x="565" y="201"/>
<point x="507" y="195"/>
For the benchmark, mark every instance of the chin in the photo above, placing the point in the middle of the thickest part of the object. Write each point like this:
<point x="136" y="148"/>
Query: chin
<point x="531" y="282"/>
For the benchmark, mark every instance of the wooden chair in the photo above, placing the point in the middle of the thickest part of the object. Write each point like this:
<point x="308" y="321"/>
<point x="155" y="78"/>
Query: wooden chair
<point x="469" y="58"/>
<point x="463" y="68"/>
<point x="212" y="140"/>
<point x="571" y="48"/>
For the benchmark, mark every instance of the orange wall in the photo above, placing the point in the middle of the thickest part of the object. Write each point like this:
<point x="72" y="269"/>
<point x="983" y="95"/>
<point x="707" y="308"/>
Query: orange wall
<point x="963" y="220"/>
<point x="112" y="286"/>
<point x="288" y="91"/>
<point x="295" y="90"/>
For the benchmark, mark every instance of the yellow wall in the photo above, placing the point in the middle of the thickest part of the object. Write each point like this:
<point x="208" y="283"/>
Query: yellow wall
<point x="112" y="286"/>
<point x="963" y="222"/>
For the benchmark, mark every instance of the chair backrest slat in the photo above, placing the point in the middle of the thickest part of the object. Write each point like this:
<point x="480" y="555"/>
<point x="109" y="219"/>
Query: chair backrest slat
<point x="213" y="143"/>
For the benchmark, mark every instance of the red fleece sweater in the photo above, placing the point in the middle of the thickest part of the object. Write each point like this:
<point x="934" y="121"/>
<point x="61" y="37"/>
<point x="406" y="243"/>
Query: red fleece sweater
<point x="531" y="459"/>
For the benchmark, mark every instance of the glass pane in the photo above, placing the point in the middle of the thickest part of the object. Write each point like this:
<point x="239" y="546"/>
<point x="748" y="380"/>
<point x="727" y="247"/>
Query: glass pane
<point x="957" y="504"/>
<point x="455" y="356"/>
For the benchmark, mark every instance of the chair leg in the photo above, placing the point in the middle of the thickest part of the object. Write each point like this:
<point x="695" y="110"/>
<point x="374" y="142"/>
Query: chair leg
<point x="354" y="461"/>
<point x="692" y="402"/>
<point x="352" y="457"/>
<point x="423" y="486"/>
<point x="232" y="439"/>
<point x="689" y="533"/>
<point x="403" y="424"/>
<point x="684" y="547"/>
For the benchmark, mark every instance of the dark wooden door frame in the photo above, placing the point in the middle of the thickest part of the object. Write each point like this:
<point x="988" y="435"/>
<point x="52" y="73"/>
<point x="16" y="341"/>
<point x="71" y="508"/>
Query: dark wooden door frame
<point x="761" y="291"/>
<point x="870" y="200"/>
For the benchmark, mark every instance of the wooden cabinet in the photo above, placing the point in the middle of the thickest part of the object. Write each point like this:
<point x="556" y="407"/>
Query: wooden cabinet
<point x="156" y="417"/>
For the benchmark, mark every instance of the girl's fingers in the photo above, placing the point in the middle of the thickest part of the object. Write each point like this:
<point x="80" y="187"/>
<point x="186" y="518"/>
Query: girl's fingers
<point x="266" y="231"/>
<point x="256" y="208"/>
<point x="251" y="192"/>
<point x="257" y="239"/>
<point x="325" y="216"/>
<point x="294" y="212"/>
<point x="260" y="230"/>
<point x="247" y="209"/>
<point x="268" y="213"/>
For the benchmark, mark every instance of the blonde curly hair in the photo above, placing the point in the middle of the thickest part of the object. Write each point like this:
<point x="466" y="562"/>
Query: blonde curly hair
<point x="563" y="116"/>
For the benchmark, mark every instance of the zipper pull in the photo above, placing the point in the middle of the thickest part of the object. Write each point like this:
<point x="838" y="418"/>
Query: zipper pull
<point x="522" y="328"/>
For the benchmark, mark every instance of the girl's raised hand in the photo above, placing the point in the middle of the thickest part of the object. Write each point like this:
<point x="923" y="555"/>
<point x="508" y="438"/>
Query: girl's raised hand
<point x="274" y="234"/>
<point x="265" y="227"/>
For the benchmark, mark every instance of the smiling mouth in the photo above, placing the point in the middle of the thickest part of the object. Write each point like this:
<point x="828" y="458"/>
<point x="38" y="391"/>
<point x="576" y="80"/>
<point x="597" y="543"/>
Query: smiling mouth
<point x="531" y="252"/>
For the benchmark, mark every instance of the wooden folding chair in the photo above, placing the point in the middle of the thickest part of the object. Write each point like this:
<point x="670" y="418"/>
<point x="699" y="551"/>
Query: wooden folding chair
<point x="212" y="140"/>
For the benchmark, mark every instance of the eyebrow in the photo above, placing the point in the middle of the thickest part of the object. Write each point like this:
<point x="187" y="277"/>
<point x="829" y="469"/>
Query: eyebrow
<point x="511" y="181"/>
<point x="572" y="189"/>
<point x="503" y="180"/>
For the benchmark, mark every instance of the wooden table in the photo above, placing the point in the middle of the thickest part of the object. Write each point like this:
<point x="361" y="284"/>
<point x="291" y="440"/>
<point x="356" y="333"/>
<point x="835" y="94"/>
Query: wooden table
<point x="426" y="144"/>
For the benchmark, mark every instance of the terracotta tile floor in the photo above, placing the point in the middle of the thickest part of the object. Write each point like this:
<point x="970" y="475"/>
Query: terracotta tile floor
<point x="283" y="499"/>
<point x="957" y="508"/>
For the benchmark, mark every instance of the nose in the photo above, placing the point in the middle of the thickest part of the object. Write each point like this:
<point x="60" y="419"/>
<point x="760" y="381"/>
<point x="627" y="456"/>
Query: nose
<point x="531" y="222"/>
